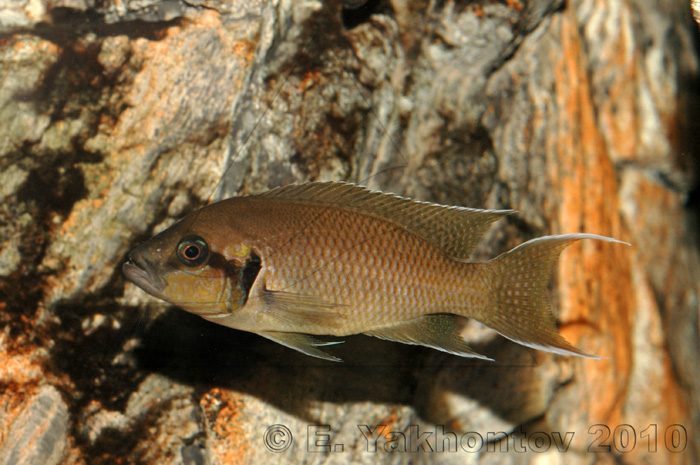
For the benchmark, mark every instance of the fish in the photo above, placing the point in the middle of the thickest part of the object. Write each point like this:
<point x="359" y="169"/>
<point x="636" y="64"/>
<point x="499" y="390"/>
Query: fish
<point x="336" y="259"/>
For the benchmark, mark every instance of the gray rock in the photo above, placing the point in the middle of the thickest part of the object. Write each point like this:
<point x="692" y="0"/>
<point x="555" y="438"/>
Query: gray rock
<point x="39" y="434"/>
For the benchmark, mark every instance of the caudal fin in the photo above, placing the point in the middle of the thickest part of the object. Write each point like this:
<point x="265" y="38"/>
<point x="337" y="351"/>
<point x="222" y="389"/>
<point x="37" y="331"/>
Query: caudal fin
<point x="521" y="310"/>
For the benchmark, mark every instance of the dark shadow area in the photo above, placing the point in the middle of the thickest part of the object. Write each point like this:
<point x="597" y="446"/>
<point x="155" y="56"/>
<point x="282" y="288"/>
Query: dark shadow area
<point x="68" y="24"/>
<point x="689" y="138"/>
<point x="53" y="188"/>
<point x="48" y="193"/>
<point x="77" y="82"/>
<point x="195" y="352"/>
<point x="356" y="12"/>
<point x="95" y="358"/>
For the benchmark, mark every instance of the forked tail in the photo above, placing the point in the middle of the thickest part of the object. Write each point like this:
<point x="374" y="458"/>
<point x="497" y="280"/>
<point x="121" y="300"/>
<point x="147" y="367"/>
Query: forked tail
<point x="520" y="308"/>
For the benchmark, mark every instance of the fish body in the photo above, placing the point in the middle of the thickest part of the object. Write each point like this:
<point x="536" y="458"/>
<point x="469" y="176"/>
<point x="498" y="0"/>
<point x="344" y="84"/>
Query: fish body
<point x="338" y="259"/>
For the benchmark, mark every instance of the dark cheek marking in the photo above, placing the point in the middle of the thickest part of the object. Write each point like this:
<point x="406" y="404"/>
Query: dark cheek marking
<point x="218" y="262"/>
<point x="249" y="274"/>
<point x="240" y="277"/>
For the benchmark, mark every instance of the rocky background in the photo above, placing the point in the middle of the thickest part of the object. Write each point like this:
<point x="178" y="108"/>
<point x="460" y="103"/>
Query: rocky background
<point x="118" y="117"/>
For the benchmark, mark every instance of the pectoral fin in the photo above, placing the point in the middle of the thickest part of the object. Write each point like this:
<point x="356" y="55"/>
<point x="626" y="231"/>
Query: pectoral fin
<point x="304" y="343"/>
<point x="440" y="331"/>
<point x="298" y="310"/>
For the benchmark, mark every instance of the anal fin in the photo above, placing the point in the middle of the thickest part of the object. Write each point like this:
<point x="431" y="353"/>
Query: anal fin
<point x="439" y="331"/>
<point x="304" y="343"/>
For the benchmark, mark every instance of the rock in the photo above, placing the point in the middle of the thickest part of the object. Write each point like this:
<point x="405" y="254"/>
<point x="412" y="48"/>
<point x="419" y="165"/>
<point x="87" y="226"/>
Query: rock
<point x="39" y="433"/>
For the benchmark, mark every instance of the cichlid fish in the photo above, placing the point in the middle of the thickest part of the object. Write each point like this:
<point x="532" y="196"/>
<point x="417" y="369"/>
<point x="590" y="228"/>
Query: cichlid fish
<point x="338" y="259"/>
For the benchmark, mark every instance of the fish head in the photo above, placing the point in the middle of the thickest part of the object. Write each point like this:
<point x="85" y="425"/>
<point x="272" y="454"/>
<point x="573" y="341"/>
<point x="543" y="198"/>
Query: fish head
<point x="189" y="265"/>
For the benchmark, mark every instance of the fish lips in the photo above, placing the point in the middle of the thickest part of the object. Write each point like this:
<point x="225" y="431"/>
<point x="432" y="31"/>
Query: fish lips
<point x="141" y="272"/>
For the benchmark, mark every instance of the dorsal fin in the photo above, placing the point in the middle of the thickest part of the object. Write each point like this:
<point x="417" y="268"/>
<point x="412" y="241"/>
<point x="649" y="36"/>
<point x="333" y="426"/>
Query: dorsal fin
<point x="455" y="230"/>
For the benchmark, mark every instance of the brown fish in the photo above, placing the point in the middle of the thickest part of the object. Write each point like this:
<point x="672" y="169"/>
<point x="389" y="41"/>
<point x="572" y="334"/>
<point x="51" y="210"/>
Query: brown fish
<point x="338" y="259"/>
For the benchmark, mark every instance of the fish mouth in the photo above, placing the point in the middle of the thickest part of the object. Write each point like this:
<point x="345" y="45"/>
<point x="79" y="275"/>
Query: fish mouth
<point x="141" y="272"/>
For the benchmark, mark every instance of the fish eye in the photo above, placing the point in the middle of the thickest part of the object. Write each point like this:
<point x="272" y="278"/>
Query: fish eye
<point x="192" y="251"/>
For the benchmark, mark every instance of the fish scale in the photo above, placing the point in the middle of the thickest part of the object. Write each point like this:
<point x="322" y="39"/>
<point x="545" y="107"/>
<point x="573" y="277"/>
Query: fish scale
<point x="407" y="292"/>
<point x="338" y="259"/>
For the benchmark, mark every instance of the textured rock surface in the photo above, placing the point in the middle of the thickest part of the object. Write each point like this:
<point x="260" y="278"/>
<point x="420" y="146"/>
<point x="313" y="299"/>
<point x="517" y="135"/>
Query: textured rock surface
<point x="38" y="433"/>
<point x="119" y="117"/>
